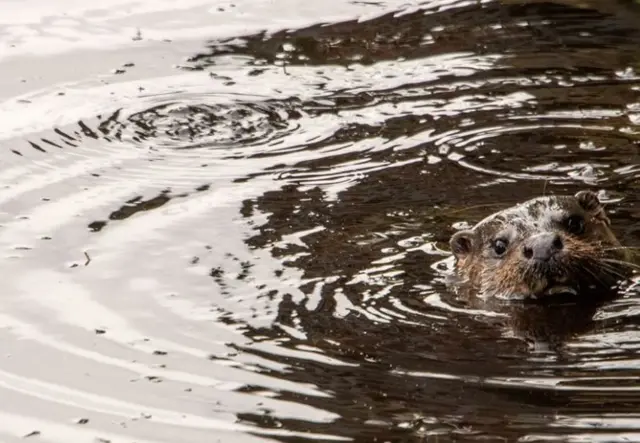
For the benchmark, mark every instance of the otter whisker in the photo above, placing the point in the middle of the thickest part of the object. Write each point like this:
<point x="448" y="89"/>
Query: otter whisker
<point x="599" y="279"/>
<point x="620" y="262"/>
<point x="613" y="272"/>
<point x="614" y="248"/>
<point x="586" y="269"/>
<point x="604" y="264"/>
<point x="599" y="272"/>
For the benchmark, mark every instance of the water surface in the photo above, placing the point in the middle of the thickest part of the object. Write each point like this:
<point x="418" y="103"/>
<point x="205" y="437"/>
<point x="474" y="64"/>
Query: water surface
<point x="229" y="221"/>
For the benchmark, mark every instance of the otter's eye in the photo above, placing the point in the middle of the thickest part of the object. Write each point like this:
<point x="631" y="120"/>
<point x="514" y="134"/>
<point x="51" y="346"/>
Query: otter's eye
<point x="500" y="246"/>
<point x="575" y="224"/>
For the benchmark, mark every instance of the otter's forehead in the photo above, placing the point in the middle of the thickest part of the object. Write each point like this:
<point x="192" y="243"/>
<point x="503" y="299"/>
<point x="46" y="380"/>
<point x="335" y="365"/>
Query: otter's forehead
<point x="538" y="213"/>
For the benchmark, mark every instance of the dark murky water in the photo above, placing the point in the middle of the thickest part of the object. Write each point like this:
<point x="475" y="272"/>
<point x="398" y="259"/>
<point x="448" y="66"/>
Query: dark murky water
<point x="244" y="238"/>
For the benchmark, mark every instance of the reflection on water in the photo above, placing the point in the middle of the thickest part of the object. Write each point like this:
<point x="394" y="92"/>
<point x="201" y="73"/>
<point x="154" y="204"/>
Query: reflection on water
<point x="255" y="247"/>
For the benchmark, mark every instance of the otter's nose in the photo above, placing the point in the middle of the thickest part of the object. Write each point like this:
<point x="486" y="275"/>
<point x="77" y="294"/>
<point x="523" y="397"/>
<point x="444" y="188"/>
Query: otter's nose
<point x="542" y="247"/>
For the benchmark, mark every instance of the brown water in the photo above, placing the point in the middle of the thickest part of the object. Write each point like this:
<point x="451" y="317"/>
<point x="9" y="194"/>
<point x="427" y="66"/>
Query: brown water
<point x="214" y="233"/>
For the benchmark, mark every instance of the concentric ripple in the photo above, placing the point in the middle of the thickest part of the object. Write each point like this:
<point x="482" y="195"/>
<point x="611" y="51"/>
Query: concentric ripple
<point x="180" y="125"/>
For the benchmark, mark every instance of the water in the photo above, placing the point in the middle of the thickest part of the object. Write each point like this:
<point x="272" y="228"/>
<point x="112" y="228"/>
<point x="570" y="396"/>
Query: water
<point x="226" y="222"/>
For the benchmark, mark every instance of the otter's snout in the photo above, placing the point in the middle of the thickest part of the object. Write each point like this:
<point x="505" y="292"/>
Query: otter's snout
<point x="541" y="247"/>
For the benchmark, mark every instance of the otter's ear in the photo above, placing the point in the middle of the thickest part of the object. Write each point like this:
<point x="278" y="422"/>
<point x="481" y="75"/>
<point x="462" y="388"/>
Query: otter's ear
<point x="589" y="201"/>
<point x="462" y="242"/>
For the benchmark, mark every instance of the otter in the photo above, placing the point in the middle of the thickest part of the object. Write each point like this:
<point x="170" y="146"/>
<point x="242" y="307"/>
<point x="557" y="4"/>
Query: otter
<point x="543" y="247"/>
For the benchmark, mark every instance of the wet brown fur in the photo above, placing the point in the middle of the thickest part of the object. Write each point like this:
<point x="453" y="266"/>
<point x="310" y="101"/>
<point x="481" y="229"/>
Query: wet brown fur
<point x="591" y="260"/>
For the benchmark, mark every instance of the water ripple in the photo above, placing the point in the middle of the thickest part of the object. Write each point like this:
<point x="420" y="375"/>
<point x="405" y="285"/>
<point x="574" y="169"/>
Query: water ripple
<point x="255" y="246"/>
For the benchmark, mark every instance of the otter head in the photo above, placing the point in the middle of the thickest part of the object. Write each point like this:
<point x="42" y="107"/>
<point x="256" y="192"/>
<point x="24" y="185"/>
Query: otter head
<point x="539" y="248"/>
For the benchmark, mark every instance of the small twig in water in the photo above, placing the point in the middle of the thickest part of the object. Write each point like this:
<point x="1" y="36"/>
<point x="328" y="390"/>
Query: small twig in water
<point x="87" y="257"/>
